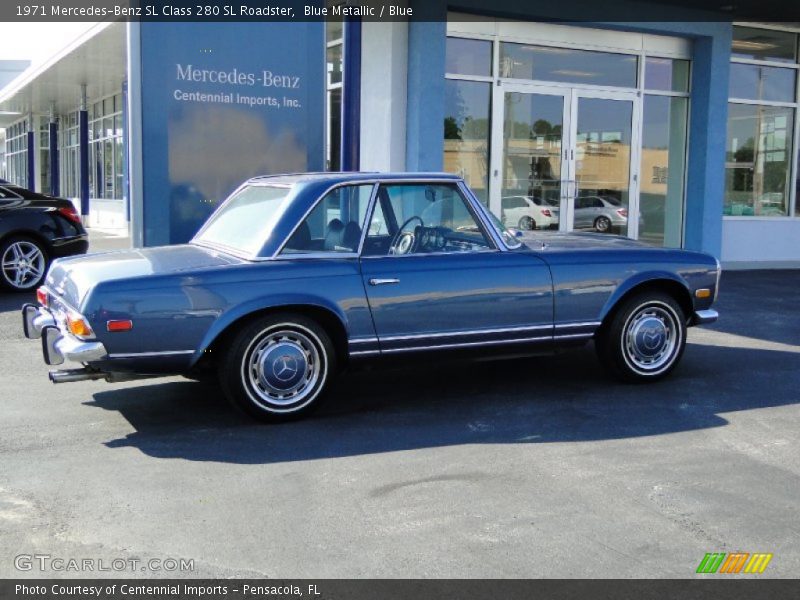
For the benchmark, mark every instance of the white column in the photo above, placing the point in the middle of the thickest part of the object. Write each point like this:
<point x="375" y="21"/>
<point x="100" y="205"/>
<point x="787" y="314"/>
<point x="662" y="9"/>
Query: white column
<point x="384" y="53"/>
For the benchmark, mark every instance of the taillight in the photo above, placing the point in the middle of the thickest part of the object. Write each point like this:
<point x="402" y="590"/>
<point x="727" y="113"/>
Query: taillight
<point x="71" y="214"/>
<point x="623" y="212"/>
<point x="546" y="212"/>
<point x="41" y="296"/>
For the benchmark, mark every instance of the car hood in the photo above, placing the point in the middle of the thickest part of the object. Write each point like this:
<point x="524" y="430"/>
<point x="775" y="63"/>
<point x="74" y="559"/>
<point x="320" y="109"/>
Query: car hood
<point x="555" y="242"/>
<point x="73" y="277"/>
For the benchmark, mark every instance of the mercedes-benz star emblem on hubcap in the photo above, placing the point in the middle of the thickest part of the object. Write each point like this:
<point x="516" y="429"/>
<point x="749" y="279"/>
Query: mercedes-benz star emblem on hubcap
<point x="285" y="367"/>
<point x="652" y="338"/>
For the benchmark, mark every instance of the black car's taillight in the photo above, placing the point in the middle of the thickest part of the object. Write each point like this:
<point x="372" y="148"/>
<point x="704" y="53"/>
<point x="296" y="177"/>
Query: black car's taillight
<point x="71" y="214"/>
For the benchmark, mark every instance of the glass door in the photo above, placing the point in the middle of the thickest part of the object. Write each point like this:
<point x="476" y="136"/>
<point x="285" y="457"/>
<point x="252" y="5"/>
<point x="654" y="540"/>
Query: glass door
<point x="529" y="172"/>
<point x="565" y="158"/>
<point x="604" y="168"/>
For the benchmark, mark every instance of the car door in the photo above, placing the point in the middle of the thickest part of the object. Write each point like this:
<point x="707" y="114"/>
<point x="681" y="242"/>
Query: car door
<point x="435" y="278"/>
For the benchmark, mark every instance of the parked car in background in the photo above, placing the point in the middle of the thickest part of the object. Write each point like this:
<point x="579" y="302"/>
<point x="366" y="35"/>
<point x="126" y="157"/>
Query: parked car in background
<point x="289" y="282"/>
<point x="601" y="213"/>
<point x="528" y="213"/>
<point x="34" y="230"/>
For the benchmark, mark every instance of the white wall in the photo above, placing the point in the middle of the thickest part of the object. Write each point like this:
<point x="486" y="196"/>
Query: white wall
<point x="760" y="242"/>
<point x="384" y="60"/>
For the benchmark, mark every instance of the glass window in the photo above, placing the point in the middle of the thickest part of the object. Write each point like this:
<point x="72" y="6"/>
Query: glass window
<point x="335" y="224"/>
<point x="334" y="141"/>
<point x="666" y="74"/>
<point x="245" y="221"/>
<point x="333" y="30"/>
<point x="468" y="57"/>
<point x="756" y="82"/>
<point x="334" y="64"/>
<point x="662" y="170"/>
<point x="421" y="219"/>
<point x="764" y="44"/>
<point x="758" y="155"/>
<point x="522" y="61"/>
<point x="466" y="133"/>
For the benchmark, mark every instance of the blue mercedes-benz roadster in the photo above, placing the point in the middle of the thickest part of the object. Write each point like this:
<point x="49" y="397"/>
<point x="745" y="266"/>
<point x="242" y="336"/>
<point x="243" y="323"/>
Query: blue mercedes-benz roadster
<point x="295" y="277"/>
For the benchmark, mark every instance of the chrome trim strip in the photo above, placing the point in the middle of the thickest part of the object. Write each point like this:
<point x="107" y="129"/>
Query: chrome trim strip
<point x="574" y="325"/>
<point x="546" y="338"/>
<point x="145" y="354"/>
<point x="573" y="336"/>
<point x="369" y="340"/>
<point x="365" y="352"/>
<point x="397" y="338"/>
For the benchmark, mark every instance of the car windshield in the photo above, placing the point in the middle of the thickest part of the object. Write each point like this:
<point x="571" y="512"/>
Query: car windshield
<point x="244" y="221"/>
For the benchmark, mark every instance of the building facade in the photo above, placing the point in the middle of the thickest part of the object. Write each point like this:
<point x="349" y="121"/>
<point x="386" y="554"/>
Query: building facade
<point x="683" y="133"/>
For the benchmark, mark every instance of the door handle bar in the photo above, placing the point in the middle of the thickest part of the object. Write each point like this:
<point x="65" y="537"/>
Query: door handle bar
<point x="383" y="281"/>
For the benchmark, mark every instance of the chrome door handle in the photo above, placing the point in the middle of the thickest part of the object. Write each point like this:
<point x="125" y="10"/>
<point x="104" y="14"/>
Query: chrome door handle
<point x="383" y="281"/>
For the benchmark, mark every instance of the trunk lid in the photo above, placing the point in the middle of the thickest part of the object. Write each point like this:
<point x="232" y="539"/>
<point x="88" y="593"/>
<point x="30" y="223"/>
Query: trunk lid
<point x="72" y="278"/>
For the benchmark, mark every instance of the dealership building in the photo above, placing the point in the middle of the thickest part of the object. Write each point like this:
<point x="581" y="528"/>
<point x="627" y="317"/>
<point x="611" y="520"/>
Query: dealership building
<point x="685" y="132"/>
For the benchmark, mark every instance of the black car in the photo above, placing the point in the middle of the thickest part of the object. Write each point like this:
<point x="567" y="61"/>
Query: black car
<point x="35" y="229"/>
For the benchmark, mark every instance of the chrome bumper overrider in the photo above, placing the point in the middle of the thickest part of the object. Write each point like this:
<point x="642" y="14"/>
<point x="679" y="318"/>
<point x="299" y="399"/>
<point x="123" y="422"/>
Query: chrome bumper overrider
<point x="704" y="317"/>
<point x="38" y="322"/>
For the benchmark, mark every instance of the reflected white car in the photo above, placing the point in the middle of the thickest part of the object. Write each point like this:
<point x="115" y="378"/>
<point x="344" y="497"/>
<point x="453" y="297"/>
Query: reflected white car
<point x="528" y="213"/>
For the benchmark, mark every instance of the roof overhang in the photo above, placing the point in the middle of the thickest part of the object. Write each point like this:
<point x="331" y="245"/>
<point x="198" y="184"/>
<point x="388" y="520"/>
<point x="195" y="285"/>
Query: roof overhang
<point x="96" y="59"/>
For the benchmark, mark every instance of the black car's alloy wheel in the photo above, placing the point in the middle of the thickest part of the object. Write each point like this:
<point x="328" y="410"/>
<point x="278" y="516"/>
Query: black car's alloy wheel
<point x="277" y="367"/>
<point x="23" y="264"/>
<point x="644" y="339"/>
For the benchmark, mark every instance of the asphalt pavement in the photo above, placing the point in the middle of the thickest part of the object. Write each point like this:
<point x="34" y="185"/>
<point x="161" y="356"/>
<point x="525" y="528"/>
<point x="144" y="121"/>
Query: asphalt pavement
<point x="523" y="468"/>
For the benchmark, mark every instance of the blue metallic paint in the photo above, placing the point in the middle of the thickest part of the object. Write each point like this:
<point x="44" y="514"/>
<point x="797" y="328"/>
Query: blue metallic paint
<point x="182" y="298"/>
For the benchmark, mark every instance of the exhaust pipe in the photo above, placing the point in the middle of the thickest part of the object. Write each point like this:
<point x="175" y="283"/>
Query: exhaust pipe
<point x="70" y="375"/>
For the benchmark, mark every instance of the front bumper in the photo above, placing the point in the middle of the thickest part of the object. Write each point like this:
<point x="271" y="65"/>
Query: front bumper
<point x="58" y="345"/>
<point x="704" y="317"/>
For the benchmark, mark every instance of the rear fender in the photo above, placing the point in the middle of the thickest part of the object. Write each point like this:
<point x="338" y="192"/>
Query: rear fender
<point x="257" y="305"/>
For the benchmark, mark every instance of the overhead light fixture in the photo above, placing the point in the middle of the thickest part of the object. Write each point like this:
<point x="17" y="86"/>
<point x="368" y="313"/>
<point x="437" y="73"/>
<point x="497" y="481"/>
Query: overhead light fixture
<point x="9" y="113"/>
<point x="751" y="45"/>
<point x="572" y="73"/>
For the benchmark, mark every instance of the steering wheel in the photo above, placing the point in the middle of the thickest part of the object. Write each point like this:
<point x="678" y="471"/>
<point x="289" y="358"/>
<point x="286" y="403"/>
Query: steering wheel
<point x="403" y="241"/>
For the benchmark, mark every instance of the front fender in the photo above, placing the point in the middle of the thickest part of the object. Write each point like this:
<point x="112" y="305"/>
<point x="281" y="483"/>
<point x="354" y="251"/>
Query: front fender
<point x="255" y="305"/>
<point x="638" y="279"/>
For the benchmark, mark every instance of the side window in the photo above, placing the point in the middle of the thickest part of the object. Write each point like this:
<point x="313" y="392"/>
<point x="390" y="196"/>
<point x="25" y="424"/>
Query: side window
<point x="422" y="219"/>
<point x="335" y="224"/>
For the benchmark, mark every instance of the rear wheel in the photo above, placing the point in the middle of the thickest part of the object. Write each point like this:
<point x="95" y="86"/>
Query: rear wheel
<point x="602" y="224"/>
<point x="277" y="367"/>
<point x="527" y="223"/>
<point x="645" y="338"/>
<point x="23" y="263"/>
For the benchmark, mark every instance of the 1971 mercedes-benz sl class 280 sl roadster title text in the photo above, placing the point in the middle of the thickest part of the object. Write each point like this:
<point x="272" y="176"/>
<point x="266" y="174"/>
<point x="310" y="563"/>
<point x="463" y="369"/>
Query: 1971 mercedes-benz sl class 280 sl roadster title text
<point x="295" y="277"/>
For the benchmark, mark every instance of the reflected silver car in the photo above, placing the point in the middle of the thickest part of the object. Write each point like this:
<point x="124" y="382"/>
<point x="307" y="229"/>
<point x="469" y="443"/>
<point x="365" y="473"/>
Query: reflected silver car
<point x="601" y="213"/>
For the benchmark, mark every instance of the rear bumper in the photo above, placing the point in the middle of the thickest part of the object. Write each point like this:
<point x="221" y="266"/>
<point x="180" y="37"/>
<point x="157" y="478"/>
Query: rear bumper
<point x="57" y="345"/>
<point x="704" y="317"/>
<point x="69" y="246"/>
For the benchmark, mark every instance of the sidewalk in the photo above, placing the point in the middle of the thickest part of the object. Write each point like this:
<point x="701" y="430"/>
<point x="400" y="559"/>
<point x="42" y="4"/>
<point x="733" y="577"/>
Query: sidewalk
<point x="104" y="240"/>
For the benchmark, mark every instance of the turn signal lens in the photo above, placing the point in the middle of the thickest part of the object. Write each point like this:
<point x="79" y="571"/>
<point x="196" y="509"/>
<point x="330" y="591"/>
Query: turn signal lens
<point x="703" y="293"/>
<point x="623" y="212"/>
<point x="119" y="325"/>
<point x="546" y="212"/>
<point x="77" y="325"/>
<point x="41" y="296"/>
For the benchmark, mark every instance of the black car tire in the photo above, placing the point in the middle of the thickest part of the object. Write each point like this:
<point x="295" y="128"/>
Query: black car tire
<point x="41" y="263"/>
<point x="645" y="338"/>
<point x="602" y="224"/>
<point x="277" y="367"/>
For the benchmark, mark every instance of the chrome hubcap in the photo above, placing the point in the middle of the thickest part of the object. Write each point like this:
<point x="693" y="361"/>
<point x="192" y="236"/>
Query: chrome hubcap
<point x="283" y="367"/>
<point x="651" y="338"/>
<point x="23" y="264"/>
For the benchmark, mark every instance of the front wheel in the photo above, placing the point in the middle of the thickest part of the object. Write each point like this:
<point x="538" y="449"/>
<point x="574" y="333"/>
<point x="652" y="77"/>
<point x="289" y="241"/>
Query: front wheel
<point x="645" y="338"/>
<point x="277" y="367"/>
